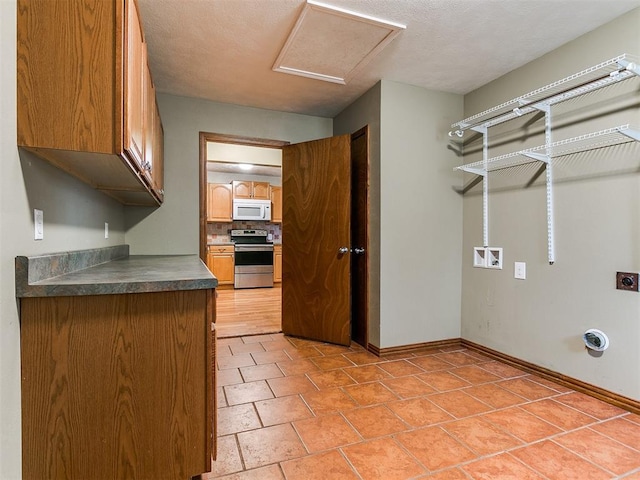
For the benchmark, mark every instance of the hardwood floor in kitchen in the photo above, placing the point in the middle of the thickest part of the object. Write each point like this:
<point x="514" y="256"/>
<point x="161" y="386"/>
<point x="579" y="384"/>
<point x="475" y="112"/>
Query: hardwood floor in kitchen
<point x="248" y="311"/>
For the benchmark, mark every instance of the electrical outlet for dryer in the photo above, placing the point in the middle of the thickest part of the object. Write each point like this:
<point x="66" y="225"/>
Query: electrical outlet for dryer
<point x="627" y="281"/>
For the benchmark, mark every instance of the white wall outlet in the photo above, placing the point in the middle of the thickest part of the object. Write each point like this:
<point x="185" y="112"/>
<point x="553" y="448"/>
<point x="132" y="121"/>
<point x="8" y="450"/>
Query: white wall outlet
<point x="38" y="224"/>
<point x="479" y="257"/>
<point x="494" y="258"/>
<point x="106" y="230"/>
<point x="520" y="270"/>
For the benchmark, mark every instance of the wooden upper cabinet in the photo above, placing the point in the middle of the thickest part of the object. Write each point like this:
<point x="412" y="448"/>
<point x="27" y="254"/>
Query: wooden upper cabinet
<point x="153" y="163"/>
<point x="248" y="189"/>
<point x="135" y="74"/>
<point x="158" y="153"/>
<point x="276" y="204"/>
<point x="81" y="100"/>
<point x="261" y="190"/>
<point x="219" y="202"/>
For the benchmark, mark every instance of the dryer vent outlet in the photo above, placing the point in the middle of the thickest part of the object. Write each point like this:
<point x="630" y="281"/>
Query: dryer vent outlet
<point x="595" y="340"/>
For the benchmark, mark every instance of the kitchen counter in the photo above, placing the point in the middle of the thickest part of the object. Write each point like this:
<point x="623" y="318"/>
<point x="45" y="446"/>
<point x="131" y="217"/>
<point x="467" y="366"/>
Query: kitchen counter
<point x="117" y="354"/>
<point x="109" y="271"/>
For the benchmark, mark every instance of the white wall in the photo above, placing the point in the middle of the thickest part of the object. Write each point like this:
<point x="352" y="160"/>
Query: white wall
<point x="74" y="217"/>
<point x="597" y="218"/>
<point x="173" y="228"/>
<point x="420" y="217"/>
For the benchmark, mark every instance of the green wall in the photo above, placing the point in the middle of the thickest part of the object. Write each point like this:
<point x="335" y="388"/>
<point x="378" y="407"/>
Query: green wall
<point x="597" y="218"/>
<point x="74" y="217"/>
<point x="173" y="228"/>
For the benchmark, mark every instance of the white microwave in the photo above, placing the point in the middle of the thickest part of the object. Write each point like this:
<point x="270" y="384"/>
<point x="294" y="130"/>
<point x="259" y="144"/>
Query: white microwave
<point x="249" y="209"/>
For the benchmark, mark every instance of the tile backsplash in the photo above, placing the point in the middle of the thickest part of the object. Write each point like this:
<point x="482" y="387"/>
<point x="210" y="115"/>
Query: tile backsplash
<point x="221" y="232"/>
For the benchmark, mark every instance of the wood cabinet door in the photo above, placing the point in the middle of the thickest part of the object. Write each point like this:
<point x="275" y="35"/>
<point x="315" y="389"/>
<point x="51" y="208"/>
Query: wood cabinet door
<point x="149" y="107"/>
<point x="261" y="190"/>
<point x="221" y="262"/>
<point x="219" y="202"/>
<point x="64" y="102"/>
<point x="277" y="263"/>
<point x="242" y="189"/>
<point x="134" y="98"/>
<point x="158" y="152"/>
<point x="117" y="386"/>
<point x="276" y="204"/>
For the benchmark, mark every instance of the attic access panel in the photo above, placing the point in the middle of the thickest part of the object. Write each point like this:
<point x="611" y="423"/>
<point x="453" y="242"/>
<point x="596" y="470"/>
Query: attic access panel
<point x="332" y="44"/>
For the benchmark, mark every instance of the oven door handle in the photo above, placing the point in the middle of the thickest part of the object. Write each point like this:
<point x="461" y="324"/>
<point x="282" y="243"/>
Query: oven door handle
<point x="254" y="248"/>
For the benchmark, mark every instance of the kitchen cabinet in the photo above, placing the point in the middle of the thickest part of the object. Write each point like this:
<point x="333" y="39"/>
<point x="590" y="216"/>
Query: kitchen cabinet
<point x="219" y="202"/>
<point x="118" y="382"/>
<point x="85" y="101"/>
<point x="277" y="263"/>
<point x="276" y="204"/>
<point x="248" y="189"/>
<point x="221" y="262"/>
<point x="153" y="165"/>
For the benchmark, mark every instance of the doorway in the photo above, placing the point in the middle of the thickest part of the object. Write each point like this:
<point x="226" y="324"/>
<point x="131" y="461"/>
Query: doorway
<point x="358" y="189"/>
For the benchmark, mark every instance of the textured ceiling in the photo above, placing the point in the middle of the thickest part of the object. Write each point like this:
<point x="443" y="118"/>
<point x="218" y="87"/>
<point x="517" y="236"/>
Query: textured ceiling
<point x="224" y="50"/>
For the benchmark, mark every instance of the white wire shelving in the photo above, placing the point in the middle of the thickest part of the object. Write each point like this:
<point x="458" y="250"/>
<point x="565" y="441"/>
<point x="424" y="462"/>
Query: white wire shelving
<point x="604" y="74"/>
<point x="607" y="73"/>
<point x="583" y="143"/>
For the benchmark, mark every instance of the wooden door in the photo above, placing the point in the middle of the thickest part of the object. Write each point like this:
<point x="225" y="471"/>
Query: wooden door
<point x="360" y="236"/>
<point x="316" y="184"/>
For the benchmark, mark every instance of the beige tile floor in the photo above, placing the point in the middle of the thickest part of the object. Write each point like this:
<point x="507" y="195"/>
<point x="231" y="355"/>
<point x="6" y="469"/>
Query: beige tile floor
<point x="294" y="409"/>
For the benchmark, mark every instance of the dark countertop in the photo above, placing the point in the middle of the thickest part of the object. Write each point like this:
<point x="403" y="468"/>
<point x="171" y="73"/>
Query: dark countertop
<point x="113" y="272"/>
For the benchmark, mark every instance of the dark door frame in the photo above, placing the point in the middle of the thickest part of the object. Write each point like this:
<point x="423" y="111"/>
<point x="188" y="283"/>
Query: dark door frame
<point x="221" y="138"/>
<point x="205" y="137"/>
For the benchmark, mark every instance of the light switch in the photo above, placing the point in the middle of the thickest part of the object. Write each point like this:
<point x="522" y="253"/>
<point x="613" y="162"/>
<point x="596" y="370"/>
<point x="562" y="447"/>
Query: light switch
<point x="106" y="230"/>
<point x="38" y="224"/>
<point x="520" y="270"/>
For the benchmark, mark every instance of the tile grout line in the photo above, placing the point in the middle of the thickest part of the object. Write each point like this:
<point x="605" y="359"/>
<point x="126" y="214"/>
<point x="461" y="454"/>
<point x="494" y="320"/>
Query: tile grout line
<point x="441" y="425"/>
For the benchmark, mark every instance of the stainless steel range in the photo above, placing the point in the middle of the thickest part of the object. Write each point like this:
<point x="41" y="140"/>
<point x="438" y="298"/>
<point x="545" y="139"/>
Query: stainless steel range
<point x="253" y="259"/>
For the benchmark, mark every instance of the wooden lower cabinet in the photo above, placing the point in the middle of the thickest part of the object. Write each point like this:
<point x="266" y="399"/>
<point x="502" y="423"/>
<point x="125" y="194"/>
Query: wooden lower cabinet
<point x="118" y="386"/>
<point x="221" y="262"/>
<point x="277" y="263"/>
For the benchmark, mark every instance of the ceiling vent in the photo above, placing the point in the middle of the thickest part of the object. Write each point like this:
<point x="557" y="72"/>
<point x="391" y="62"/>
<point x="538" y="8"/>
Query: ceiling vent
<point x="332" y="44"/>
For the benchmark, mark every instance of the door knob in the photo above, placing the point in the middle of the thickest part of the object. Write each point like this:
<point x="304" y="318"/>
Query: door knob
<point x="343" y="250"/>
<point x="358" y="251"/>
